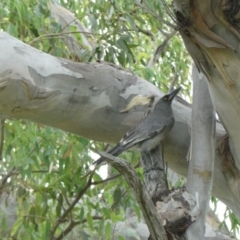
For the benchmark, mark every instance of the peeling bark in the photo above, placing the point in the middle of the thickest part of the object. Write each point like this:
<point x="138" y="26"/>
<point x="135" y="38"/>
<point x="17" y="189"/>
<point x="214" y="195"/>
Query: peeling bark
<point x="210" y="30"/>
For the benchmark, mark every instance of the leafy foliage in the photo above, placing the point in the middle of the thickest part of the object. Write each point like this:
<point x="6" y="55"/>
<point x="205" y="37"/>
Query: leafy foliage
<point x="48" y="171"/>
<point x="123" y="33"/>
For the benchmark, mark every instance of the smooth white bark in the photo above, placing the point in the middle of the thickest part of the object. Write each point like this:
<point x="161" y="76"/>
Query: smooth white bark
<point x="202" y="154"/>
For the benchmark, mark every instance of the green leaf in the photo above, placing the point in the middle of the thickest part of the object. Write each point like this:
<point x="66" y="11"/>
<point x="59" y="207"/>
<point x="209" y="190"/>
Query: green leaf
<point x="12" y="29"/>
<point x="17" y="225"/>
<point x="47" y="229"/>
<point x="117" y="195"/>
<point x="108" y="230"/>
<point x="138" y="211"/>
<point x="58" y="209"/>
<point x="121" y="238"/>
<point x="3" y="222"/>
<point x="106" y="213"/>
<point x="84" y="236"/>
<point x="81" y="215"/>
<point x="90" y="221"/>
<point x="32" y="213"/>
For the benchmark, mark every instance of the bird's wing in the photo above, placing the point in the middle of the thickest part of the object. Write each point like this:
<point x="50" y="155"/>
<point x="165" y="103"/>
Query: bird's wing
<point x="155" y="132"/>
<point x="141" y="132"/>
<point x="138" y="134"/>
<point x="133" y="137"/>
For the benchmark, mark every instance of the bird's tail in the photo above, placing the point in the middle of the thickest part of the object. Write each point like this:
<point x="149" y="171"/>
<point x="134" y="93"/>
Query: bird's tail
<point x="114" y="151"/>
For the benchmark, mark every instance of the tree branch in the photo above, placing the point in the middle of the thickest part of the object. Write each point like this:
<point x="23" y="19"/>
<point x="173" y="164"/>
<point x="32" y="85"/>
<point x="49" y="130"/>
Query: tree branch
<point x="2" y="136"/>
<point x="72" y="224"/>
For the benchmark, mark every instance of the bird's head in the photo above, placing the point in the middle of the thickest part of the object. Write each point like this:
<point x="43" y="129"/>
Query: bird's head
<point x="169" y="97"/>
<point x="166" y="100"/>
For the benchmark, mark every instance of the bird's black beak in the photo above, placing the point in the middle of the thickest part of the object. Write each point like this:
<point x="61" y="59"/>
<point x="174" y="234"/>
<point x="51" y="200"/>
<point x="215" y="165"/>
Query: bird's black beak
<point x="173" y="93"/>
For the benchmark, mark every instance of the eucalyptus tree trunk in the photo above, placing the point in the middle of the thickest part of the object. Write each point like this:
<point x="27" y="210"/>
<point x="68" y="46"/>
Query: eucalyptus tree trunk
<point x="202" y="152"/>
<point x="211" y="35"/>
<point x="210" y="30"/>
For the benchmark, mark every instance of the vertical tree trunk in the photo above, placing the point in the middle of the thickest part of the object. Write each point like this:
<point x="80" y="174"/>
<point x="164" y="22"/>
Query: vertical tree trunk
<point x="210" y="30"/>
<point x="202" y="154"/>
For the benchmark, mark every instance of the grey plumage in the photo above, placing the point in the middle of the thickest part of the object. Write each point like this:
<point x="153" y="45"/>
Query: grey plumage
<point x="152" y="129"/>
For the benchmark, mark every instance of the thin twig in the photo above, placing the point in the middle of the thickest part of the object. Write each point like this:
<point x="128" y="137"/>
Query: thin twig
<point x="6" y="177"/>
<point x="2" y="138"/>
<point x="72" y="224"/>
<point x="34" y="216"/>
<point x="69" y="209"/>
<point x="175" y="77"/>
<point x="54" y="35"/>
<point x="165" y="34"/>
<point x="106" y="180"/>
<point x="160" y="49"/>
<point x="169" y="12"/>
<point x="146" y="32"/>
<point x="160" y="19"/>
<point x="67" y="201"/>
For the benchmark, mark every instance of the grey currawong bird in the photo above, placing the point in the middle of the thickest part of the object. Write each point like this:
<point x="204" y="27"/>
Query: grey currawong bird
<point x="152" y="129"/>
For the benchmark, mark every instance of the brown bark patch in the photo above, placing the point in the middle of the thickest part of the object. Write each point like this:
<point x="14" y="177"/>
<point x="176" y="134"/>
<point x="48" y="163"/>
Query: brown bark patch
<point x="229" y="168"/>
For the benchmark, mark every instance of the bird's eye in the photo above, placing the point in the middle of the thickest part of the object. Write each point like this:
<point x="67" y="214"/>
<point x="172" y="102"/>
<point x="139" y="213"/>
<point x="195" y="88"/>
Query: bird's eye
<point x="166" y="98"/>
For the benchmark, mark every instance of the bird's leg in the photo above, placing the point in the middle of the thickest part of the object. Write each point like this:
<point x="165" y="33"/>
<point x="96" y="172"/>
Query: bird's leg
<point x="152" y="160"/>
<point x="148" y="162"/>
<point x="154" y="175"/>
